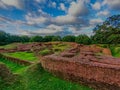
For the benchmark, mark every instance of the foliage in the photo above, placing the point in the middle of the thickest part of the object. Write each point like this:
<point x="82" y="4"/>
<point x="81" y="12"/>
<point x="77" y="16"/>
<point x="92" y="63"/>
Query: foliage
<point x="115" y="49"/>
<point x="68" y="38"/>
<point x="60" y="47"/>
<point x="56" y="38"/>
<point x="114" y="39"/>
<point x="47" y="38"/>
<point x="108" y="32"/>
<point x="83" y="39"/>
<point x="36" y="39"/>
<point x="45" y="52"/>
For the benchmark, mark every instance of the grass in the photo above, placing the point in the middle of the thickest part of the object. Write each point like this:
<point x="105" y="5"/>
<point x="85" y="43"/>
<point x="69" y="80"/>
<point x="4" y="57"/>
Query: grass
<point x="60" y="47"/>
<point x="16" y="68"/>
<point x="35" y="78"/>
<point x="45" y="52"/>
<point x="9" y="46"/>
<point x="23" y="55"/>
<point x="55" y="49"/>
<point x="115" y="49"/>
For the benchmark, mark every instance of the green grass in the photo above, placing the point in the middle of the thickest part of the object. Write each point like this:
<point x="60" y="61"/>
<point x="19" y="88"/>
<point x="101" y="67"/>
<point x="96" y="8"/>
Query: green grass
<point x="45" y="52"/>
<point x="35" y="78"/>
<point x="10" y="46"/>
<point x="60" y="47"/>
<point x="115" y="50"/>
<point x="16" y="68"/>
<point x="23" y="55"/>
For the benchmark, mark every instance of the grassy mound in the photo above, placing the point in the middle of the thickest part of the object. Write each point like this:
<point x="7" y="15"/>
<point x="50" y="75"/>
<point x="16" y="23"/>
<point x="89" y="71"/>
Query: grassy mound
<point x="10" y="46"/>
<point x="23" y="55"/>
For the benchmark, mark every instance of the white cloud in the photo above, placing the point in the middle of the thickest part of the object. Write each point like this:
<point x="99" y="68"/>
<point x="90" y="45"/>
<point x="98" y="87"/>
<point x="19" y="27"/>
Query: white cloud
<point x="50" y="29"/>
<point x="36" y="20"/>
<point x="62" y="7"/>
<point x="65" y="19"/>
<point x="78" y="8"/>
<point x="95" y="21"/>
<point x="103" y="13"/>
<point x="96" y="6"/>
<point x="16" y="3"/>
<point x="113" y="4"/>
<point x="54" y="4"/>
<point x="40" y="1"/>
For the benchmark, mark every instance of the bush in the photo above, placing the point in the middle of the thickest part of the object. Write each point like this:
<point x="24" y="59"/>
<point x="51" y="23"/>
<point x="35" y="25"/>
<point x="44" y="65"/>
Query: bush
<point x="45" y="52"/>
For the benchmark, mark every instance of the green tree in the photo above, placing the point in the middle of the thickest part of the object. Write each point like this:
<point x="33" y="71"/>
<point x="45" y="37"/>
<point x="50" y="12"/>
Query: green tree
<point x="56" y="38"/>
<point x="47" y="38"/>
<point x="36" y="39"/>
<point x="83" y="39"/>
<point x="105" y="32"/>
<point x="68" y="38"/>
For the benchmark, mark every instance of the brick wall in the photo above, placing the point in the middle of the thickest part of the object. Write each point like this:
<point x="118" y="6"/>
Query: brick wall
<point x="94" y="74"/>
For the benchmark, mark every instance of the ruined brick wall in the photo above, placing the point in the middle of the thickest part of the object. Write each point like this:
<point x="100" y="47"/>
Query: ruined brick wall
<point x="97" y="75"/>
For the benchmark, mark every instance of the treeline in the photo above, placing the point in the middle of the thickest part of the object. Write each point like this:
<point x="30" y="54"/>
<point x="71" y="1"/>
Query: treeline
<point x="106" y="33"/>
<point x="6" y="38"/>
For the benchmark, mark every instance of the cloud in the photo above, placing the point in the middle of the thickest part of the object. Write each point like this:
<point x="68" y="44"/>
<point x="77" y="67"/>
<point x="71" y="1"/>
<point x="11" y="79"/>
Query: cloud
<point x="95" y="21"/>
<point x="113" y="4"/>
<point x="103" y="13"/>
<point x="78" y="8"/>
<point x="36" y="20"/>
<point x="40" y="1"/>
<point x="50" y="29"/>
<point x="96" y="6"/>
<point x="15" y="3"/>
<point x="62" y="7"/>
<point x="54" y="4"/>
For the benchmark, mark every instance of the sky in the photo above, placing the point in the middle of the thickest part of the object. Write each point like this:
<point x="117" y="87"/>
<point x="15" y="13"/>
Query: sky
<point x="55" y="17"/>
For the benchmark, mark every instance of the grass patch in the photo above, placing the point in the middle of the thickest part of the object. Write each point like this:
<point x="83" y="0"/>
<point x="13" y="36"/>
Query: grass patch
<point x="115" y="50"/>
<point x="45" y="52"/>
<point x="60" y="47"/>
<point x="35" y="78"/>
<point x="23" y="55"/>
<point x="10" y="46"/>
<point x="16" y="68"/>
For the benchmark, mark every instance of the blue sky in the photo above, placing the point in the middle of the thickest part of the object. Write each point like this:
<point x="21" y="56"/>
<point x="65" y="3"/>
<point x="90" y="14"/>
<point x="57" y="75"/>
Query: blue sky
<point x="54" y="17"/>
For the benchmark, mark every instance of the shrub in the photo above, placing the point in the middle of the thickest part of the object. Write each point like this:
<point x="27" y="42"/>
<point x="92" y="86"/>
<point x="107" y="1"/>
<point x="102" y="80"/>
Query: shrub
<point x="45" y="52"/>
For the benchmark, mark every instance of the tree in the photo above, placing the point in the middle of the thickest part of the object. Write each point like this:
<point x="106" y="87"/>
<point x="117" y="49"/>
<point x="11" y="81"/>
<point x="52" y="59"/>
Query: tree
<point x="36" y="39"/>
<point x="47" y="38"/>
<point x="56" y="38"/>
<point x="3" y="37"/>
<point x="68" y="38"/>
<point x="114" y="39"/>
<point x="25" y="39"/>
<point x="83" y="39"/>
<point x="105" y="32"/>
